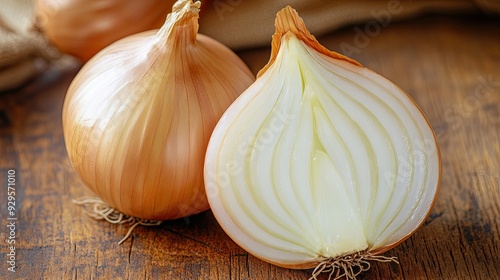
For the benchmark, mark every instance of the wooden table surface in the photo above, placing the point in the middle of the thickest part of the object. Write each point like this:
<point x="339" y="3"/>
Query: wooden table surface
<point x="449" y="65"/>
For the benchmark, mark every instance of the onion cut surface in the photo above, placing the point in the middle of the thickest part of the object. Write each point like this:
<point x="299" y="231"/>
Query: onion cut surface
<point x="320" y="158"/>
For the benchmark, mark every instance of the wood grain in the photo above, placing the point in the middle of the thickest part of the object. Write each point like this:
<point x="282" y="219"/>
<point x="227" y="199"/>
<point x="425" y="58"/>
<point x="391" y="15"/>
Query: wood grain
<point x="450" y="66"/>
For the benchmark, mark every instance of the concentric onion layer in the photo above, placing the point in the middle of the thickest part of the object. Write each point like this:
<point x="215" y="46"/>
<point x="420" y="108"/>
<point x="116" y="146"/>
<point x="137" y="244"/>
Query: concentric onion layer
<point x="320" y="158"/>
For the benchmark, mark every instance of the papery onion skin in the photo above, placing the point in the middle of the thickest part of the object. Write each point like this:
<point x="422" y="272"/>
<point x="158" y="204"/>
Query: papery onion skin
<point x="284" y="133"/>
<point x="82" y="28"/>
<point x="138" y="116"/>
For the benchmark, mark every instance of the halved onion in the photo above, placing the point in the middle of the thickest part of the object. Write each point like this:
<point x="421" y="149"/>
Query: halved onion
<point x="321" y="162"/>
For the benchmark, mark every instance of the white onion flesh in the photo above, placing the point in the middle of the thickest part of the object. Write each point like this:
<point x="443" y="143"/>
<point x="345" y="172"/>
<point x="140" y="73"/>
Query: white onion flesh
<point x="320" y="158"/>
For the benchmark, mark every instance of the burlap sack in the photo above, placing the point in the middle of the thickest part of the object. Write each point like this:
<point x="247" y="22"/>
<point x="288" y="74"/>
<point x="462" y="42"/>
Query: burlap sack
<point x="24" y="51"/>
<point x="246" y="24"/>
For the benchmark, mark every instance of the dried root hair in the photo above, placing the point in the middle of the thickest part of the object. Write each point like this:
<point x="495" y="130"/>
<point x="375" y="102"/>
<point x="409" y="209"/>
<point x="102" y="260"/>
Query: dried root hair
<point x="348" y="266"/>
<point x="99" y="210"/>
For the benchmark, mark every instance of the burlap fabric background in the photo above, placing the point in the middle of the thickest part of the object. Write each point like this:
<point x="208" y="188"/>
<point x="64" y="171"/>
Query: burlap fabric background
<point x="243" y="23"/>
<point x="24" y="52"/>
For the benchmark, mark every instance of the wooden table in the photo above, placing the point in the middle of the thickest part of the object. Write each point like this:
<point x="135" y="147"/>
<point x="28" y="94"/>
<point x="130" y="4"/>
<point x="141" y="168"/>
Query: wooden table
<point x="449" y="65"/>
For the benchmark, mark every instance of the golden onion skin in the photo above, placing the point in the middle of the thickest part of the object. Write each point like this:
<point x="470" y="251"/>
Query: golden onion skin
<point x="138" y="116"/>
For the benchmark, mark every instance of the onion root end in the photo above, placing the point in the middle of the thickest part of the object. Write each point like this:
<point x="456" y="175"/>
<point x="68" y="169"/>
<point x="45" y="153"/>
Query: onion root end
<point x="101" y="211"/>
<point x="348" y="266"/>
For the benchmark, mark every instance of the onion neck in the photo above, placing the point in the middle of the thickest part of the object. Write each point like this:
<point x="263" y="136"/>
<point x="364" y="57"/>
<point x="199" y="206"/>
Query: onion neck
<point x="181" y="24"/>
<point x="289" y="24"/>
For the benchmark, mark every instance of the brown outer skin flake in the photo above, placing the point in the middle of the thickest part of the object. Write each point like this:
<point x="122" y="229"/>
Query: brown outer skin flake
<point x="289" y="22"/>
